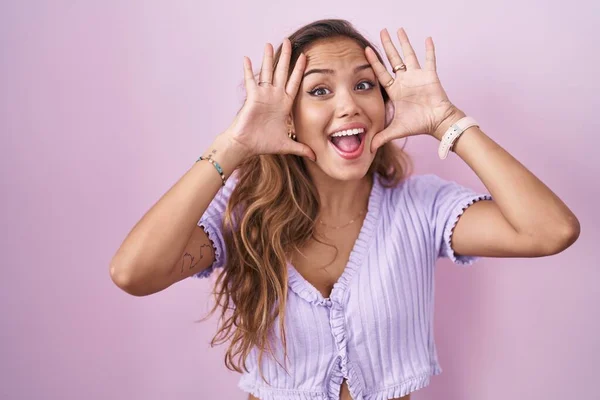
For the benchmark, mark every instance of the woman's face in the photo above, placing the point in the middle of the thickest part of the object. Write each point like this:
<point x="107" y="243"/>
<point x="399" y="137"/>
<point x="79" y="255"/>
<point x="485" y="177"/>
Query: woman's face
<point x="327" y="101"/>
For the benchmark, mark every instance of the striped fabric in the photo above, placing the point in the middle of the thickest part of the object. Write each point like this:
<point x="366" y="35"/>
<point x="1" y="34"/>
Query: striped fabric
<point x="376" y="328"/>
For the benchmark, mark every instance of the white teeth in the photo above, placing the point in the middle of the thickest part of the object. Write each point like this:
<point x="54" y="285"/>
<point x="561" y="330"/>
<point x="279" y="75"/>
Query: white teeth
<point x="348" y="132"/>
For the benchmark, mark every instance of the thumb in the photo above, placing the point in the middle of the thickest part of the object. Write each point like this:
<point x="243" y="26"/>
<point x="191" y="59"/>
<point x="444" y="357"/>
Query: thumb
<point x="380" y="139"/>
<point x="299" y="149"/>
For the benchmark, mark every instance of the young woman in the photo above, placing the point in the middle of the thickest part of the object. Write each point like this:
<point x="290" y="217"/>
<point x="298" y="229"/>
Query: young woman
<point x="325" y="243"/>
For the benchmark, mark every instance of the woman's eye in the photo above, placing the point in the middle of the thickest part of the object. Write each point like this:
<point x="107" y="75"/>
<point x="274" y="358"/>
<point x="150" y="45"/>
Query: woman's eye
<point x="315" y="90"/>
<point x="319" y="90"/>
<point x="368" y="83"/>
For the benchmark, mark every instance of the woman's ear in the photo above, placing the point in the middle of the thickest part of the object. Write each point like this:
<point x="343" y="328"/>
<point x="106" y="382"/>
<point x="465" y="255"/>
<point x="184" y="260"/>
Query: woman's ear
<point x="289" y="123"/>
<point x="389" y="113"/>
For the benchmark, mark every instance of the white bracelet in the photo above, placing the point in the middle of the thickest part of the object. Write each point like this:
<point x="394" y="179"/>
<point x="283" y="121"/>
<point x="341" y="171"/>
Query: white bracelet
<point x="453" y="133"/>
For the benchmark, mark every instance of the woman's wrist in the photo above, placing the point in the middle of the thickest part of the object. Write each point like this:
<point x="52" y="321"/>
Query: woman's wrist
<point x="226" y="152"/>
<point x="454" y="117"/>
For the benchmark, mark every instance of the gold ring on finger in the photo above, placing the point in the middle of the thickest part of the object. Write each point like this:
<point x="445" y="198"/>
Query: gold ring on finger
<point x="390" y="83"/>
<point x="400" y="67"/>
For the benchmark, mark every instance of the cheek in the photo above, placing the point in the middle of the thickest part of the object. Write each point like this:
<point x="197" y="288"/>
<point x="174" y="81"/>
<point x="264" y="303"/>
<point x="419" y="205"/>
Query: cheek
<point x="312" y="122"/>
<point x="379" y="113"/>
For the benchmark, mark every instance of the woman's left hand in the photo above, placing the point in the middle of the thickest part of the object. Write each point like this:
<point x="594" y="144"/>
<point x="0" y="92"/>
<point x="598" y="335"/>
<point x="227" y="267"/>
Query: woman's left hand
<point x="421" y="105"/>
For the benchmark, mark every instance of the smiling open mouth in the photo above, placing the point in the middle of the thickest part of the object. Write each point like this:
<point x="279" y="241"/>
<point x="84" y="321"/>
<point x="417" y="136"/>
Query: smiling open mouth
<point x="348" y="141"/>
<point x="349" y="144"/>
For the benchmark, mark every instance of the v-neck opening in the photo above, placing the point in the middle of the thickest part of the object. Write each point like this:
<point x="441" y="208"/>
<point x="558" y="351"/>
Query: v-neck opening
<point x="306" y="290"/>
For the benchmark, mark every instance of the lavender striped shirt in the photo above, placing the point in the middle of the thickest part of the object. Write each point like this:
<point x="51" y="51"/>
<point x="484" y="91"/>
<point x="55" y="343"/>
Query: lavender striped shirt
<point x="376" y="327"/>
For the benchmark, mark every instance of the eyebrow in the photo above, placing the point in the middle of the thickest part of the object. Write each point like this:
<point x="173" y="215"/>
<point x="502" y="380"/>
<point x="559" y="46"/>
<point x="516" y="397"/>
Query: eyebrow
<point x="330" y="71"/>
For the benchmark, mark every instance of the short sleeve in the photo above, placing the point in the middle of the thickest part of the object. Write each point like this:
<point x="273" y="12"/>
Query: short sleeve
<point x="445" y="201"/>
<point x="212" y="223"/>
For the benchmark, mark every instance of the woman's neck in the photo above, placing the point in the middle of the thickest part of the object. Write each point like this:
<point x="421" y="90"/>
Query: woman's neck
<point x="342" y="200"/>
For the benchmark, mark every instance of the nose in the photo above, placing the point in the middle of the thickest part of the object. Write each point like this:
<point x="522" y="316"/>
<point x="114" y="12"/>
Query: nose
<point x="347" y="105"/>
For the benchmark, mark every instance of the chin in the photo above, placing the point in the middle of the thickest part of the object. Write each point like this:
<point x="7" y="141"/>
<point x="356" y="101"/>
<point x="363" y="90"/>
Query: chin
<point x="351" y="172"/>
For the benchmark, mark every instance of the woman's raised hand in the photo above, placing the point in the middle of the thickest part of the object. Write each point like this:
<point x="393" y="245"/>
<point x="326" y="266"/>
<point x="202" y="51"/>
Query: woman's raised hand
<point x="261" y="126"/>
<point x="421" y="105"/>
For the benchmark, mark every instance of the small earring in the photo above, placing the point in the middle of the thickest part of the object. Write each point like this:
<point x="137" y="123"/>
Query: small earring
<point x="291" y="135"/>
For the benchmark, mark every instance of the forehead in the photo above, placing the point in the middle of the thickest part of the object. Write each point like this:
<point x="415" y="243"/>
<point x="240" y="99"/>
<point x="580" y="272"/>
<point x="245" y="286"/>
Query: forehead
<point x="334" y="53"/>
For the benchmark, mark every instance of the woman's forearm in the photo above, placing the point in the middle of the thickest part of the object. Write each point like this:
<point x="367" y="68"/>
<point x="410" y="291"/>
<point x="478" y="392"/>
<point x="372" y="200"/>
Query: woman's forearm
<point x="526" y="202"/>
<point x="155" y="243"/>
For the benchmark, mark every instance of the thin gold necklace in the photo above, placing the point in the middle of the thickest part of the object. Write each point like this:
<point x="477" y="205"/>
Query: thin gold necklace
<point x="342" y="226"/>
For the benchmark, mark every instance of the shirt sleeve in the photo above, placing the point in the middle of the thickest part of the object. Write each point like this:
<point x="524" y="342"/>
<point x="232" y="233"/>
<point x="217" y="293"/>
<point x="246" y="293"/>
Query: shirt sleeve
<point x="212" y="223"/>
<point x="446" y="201"/>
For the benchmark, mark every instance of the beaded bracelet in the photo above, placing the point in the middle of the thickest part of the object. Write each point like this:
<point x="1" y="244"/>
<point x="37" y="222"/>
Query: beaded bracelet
<point x="216" y="165"/>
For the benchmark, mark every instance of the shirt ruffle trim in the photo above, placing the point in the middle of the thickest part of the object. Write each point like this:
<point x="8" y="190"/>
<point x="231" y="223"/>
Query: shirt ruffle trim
<point x="354" y="380"/>
<point x="308" y="292"/>
<point x="335" y="382"/>
<point x="404" y="388"/>
<point x="457" y="212"/>
<point x="343" y="367"/>
<point x="213" y="236"/>
<point x="268" y="393"/>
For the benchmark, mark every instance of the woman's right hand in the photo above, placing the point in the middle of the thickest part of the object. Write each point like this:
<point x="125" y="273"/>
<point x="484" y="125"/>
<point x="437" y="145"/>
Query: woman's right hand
<point x="260" y="126"/>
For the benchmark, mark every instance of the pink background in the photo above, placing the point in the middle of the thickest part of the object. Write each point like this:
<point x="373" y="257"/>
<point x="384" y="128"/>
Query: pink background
<point x="104" y="105"/>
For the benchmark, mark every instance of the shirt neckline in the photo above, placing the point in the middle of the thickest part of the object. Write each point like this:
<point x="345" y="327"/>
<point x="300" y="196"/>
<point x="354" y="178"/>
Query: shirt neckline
<point x="307" y="291"/>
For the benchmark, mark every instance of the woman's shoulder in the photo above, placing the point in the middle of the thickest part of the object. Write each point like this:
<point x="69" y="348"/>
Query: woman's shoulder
<point x="415" y="194"/>
<point x="428" y="193"/>
<point x="416" y="186"/>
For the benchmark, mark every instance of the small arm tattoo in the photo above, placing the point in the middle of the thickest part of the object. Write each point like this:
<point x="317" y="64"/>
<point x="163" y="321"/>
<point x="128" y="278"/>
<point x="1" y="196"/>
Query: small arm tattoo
<point x="189" y="261"/>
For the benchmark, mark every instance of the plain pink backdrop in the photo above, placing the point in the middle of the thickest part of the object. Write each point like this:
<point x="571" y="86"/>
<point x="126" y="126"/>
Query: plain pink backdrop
<point x="104" y="105"/>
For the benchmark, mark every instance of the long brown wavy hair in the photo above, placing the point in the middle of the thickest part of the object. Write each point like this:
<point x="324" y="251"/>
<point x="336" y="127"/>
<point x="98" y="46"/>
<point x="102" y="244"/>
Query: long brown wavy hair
<point x="273" y="209"/>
